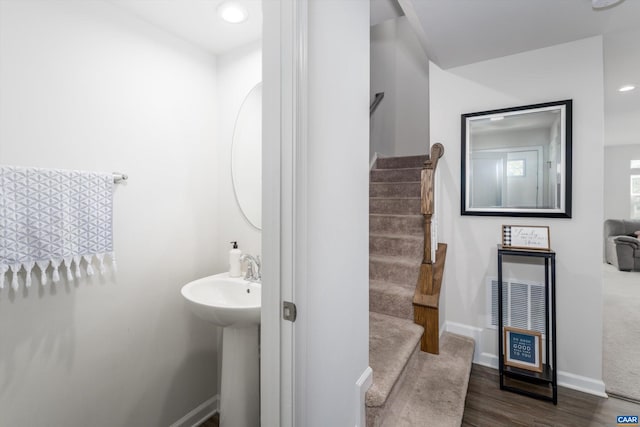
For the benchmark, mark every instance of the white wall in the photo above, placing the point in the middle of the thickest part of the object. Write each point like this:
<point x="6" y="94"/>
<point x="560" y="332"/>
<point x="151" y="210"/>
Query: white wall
<point x="237" y="73"/>
<point x="85" y="86"/>
<point x="621" y="66"/>
<point x="567" y="71"/>
<point x="336" y="320"/>
<point x="617" y="204"/>
<point x="400" y="69"/>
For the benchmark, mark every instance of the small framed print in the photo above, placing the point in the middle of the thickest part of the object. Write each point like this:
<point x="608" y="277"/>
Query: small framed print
<point x="522" y="349"/>
<point x="526" y="237"/>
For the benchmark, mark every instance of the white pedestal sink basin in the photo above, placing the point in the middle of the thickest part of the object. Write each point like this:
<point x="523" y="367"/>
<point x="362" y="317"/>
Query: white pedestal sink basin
<point x="224" y="301"/>
<point x="234" y="304"/>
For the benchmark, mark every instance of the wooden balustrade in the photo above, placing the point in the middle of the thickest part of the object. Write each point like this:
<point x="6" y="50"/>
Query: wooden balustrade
<point x="426" y="299"/>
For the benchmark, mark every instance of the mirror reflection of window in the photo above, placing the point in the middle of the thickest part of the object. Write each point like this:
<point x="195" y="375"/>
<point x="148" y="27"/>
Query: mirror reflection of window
<point x="515" y="167"/>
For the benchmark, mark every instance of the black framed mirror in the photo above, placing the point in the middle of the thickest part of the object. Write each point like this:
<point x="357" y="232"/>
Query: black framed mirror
<point x="517" y="161"/>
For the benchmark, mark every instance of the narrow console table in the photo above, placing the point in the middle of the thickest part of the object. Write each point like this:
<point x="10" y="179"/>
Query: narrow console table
<point x="549" y="375"/>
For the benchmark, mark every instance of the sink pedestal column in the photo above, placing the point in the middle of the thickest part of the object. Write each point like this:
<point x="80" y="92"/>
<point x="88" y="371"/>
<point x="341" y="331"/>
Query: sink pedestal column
<point x="240" y="384"/>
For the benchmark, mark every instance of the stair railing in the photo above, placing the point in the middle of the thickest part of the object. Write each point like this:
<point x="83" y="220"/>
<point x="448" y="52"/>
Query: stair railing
<point x="376" y="101"/>
<point x="426" y="299"/>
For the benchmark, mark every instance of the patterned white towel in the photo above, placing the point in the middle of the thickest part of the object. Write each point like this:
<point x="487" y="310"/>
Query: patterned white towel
<point x="50" y="216"/>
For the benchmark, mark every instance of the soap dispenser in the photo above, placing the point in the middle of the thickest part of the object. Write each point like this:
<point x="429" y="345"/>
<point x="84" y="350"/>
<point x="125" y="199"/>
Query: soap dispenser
<point x="235" y="269"/>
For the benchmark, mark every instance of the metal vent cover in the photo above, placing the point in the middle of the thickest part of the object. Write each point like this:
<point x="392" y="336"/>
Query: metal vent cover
<point x="522" y="304"/>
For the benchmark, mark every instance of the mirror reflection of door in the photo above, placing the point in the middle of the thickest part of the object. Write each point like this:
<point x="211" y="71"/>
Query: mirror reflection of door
<point x="523" y="179"/>
<point x="487" y="183"/>
<point x="510" y="177"/>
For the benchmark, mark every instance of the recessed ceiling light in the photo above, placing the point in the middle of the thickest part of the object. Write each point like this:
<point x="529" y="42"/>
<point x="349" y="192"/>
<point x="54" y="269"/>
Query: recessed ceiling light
<point x="495" y="119"/>
<point x="626" y="88"/>
<point x="233" y="12"/>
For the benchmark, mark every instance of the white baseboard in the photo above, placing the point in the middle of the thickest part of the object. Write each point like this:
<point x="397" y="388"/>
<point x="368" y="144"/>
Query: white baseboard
<point x="489" y="360"/>
<point x="372" y="163"/>
<point x="467" y="331"/>
<point x="200" y="414"/>
<point x="565" y="379"/>
<point x="362" y="385"/>
<point x="580" y="383"/>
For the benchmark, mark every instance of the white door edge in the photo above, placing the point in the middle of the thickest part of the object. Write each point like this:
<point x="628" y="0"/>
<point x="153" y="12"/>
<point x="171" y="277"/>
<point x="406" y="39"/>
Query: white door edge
<point x="284" y="215"/>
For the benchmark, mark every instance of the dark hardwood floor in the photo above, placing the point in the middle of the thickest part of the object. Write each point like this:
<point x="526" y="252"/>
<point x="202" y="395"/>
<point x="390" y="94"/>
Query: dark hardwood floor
<point x="487" y="405"/>
<point x="214" y="421"/>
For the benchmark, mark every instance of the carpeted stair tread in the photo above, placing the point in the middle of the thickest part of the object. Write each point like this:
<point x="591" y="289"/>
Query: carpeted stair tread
<point x="394" y="189"/>
<point x="395" y="175"/>
<point x="397" y="269"/>
<point x="401" y="162"/>
<point x="410" y="388"/>
<point x="396" y="244"/>
<point x="435" y="387"/>
<point x="394" y="259"/>
<point x="396" y="198"/>
<point x="415" y="217"/>
<point x="392" y="299"/>
<point x="398" y="235"/>
<point x="391" y="342"/>
<point x="385" y="282"/>
<point x="396" y="224"/>
<point x="394" y="205"/>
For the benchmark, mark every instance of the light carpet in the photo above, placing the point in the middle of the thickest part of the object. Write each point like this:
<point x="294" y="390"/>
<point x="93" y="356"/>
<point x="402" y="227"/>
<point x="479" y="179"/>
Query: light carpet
<point x="621" y="324"/>
<point x="435" y="387"/>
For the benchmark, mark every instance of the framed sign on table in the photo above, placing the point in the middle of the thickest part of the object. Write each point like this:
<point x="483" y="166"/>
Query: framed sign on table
<point x="522" y="349"/>
<point x="526" y="237"/>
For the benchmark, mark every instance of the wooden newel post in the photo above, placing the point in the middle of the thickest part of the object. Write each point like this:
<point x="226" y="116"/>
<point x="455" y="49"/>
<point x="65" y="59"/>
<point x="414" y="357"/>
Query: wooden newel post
<point x="427" y="295"/>
<point x="427" y="185"/>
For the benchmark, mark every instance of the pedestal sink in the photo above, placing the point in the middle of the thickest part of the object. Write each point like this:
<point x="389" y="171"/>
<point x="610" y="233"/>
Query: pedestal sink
<point x="233" y="304"/>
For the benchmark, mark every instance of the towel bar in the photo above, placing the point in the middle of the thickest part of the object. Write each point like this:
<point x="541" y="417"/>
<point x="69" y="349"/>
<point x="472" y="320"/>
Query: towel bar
<point x="119" y="177"/>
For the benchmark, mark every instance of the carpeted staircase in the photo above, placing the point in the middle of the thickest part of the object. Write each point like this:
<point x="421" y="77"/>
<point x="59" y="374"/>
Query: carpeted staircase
<point x="410" y="388"/>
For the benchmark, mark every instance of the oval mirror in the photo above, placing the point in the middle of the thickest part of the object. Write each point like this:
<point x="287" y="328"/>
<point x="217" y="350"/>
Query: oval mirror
<point x="246" y="157"/>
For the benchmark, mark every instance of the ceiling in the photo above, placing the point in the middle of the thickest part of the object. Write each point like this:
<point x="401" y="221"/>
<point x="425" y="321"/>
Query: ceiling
<point x="382" y="10"/>
<point x="197" y="21"/>
<point x="459" y="32"/>
<point x="454" y="33"/>
<point x="622" y="66"/>
<point x="514" y="121"/>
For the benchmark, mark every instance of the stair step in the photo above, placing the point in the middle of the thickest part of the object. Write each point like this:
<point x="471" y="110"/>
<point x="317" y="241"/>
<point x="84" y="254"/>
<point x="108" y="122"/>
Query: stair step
<point x="394" y="189"/>
<point x="398" y="245"/>
<point x="434" y="389"/>
<point x="410" y="388"/>
<point x="391" y="299"/>
<point x="395" y="175"/>
<point x="401" y="162"/>
<point x="394" y="205"/>
<point x="401" y="270"/>
<point x="391" y="343"/>
<point x="396" y="224"/>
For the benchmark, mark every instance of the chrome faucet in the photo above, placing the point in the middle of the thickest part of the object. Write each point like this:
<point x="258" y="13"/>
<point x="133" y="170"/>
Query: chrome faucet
<point x="254" y="273"/>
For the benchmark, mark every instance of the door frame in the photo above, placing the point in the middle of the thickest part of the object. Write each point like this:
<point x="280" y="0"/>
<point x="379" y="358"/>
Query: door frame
<point x="284" y="172"/>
